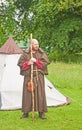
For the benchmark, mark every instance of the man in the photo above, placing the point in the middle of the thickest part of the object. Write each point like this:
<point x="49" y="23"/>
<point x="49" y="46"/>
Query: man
<point x="40" y="62"/>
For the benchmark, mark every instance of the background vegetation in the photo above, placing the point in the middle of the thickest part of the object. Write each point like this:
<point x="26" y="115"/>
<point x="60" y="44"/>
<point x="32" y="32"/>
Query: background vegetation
<point x="57" y="24"/>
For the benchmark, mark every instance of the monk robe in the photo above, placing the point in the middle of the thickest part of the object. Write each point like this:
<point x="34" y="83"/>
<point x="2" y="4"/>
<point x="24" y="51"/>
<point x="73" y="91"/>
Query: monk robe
<point x="39" y="70"/>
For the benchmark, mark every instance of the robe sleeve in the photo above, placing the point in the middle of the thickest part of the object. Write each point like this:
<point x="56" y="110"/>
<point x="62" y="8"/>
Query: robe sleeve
<point x="25" y="66"/>
<point x="39" y="64"/>
<point x="44" y="61"/>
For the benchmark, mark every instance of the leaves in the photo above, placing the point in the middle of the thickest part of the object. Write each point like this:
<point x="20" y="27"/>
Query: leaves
<point x="56" y="24"/>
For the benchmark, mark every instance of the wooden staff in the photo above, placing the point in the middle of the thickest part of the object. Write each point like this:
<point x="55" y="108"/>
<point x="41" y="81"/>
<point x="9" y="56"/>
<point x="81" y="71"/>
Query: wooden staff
<point x="32" y="79"/>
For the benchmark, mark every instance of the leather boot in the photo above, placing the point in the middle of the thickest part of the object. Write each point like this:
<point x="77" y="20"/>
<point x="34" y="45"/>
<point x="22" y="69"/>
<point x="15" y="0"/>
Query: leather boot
<point x="25" y="115"/>
<point x="42" y="115"/>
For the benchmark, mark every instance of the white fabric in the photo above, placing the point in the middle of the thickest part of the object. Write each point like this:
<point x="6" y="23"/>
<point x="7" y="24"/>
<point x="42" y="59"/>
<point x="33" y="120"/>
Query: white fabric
<point x="11" y="82"/>
<point x="54" y="97"/>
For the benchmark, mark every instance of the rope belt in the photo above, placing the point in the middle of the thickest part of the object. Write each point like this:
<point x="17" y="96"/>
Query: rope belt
<point x="36" y="70"/>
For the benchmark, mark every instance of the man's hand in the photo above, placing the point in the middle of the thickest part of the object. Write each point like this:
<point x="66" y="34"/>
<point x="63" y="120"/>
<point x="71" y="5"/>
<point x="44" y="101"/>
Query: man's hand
<point x="31" y="61"/>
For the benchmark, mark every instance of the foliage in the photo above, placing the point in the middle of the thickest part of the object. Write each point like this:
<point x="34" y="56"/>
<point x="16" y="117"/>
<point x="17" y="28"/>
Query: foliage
<point x="56" y="24"/>
<point x="11" y="13"/>
<point x="8" y="25"/>
<point x="22" y="5"/>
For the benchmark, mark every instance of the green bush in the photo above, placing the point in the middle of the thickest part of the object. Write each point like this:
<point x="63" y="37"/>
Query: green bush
<point x="70" y="58"/>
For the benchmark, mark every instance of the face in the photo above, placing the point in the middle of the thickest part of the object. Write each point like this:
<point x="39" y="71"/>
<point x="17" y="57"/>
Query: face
<point x="35" y="45"/>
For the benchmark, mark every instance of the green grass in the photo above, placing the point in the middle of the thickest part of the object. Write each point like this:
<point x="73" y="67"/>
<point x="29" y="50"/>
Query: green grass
<point x="67" y="78"/>
<point x="66" y="75"/>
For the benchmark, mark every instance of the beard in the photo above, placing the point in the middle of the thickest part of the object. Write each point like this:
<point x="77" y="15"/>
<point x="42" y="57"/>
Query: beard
<point x="35" y="48"/>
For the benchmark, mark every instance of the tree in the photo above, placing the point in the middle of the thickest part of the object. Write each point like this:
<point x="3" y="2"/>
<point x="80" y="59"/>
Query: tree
<point x="56" y="24"/>
<point x="12" y="12"/>
<point x="8" y="24"/>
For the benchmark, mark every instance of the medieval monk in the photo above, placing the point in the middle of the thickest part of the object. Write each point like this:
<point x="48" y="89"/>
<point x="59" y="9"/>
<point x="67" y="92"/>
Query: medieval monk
<point x="40" y="62"/>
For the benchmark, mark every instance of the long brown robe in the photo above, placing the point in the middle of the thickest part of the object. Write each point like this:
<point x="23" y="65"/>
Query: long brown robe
<point x="38" y="80"/>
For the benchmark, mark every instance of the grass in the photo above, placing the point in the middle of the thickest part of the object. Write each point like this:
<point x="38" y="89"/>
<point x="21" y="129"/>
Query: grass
<point x="67" y="78"/>
<point x="66" y="75"/>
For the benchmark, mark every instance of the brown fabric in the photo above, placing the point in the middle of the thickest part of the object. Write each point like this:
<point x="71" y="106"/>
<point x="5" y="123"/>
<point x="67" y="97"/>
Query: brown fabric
<point x="38" y="80"/>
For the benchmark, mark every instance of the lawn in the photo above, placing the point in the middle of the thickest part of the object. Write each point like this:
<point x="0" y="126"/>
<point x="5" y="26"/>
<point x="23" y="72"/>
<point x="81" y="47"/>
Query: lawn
<point x="67" y="78"/>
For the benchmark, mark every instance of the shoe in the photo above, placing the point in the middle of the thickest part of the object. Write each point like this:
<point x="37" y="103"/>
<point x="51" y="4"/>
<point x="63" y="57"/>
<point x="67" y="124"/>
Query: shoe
<point x="25" y="115"/>
<point x="42" y="115"/>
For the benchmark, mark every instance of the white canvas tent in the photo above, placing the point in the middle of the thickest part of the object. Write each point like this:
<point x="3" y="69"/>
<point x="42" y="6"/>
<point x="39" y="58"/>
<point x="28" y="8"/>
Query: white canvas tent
<point x="11" y="82"/>
<point x="54" y="97"/>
